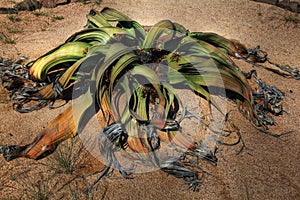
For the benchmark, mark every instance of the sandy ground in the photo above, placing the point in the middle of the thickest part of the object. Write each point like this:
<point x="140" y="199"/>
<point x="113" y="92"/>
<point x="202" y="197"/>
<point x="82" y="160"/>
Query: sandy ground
<point x="267" y="169"/>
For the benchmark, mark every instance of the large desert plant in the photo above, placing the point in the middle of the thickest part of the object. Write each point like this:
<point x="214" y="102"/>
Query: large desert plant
<point x="115" y="58"/>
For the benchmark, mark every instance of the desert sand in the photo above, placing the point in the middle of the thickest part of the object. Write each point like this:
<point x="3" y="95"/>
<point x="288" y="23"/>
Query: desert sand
<point x="268" y="168"/>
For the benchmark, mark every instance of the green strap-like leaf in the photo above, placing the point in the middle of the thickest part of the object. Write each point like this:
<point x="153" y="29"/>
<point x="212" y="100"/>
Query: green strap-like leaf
<point x="96" y="36"/>
<point x="135" y="29"/>
<point x="163" y="28"/>
<point x="123" y="64"/>
<point x="150" y="77"/>
<point x="226" y="45"/>
<point x="96" y="20"/>
<point x="115" y="51"/>
<point x="113" y="15"/>
<point x="68" y="52"/>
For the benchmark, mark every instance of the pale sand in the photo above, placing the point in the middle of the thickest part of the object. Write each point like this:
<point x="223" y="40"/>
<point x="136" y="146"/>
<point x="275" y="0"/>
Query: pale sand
<point x="267" y="169"/>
